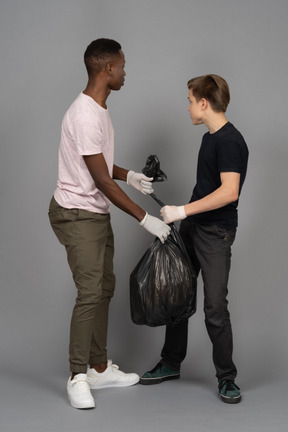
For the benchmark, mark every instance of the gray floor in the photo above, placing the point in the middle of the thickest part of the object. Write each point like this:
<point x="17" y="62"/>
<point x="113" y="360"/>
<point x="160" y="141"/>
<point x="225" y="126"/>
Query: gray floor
<point x="38" y="402"/>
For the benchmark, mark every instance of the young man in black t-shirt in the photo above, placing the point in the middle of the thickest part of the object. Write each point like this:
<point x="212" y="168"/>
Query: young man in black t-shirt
<point x="208" y="229"/>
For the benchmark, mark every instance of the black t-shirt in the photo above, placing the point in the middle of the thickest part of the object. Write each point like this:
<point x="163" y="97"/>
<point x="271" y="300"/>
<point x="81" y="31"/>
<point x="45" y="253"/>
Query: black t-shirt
<point x="222" y="151"/>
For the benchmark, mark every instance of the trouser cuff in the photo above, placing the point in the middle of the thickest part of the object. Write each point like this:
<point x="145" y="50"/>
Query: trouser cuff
<point x="97" y="360"/>
<point x="171" y="366"/>
<point x="76" y="368"/>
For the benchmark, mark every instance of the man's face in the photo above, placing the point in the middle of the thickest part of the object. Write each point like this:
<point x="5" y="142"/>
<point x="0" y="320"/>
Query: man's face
<point x="117" y="72"/>
<point x="195" y="109"/>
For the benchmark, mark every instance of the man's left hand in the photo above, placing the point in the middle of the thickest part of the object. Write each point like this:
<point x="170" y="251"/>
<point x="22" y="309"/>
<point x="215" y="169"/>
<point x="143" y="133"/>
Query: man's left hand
<point x="140" y="182"/>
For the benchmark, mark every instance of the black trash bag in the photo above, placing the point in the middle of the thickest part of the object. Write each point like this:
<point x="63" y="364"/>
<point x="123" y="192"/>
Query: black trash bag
<point x="163" y="284"/>
<point x="152" y="169"/>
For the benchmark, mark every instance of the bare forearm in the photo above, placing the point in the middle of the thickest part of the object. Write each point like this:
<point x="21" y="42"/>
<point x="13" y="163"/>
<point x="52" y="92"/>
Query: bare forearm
<point x="119" y="173"/>
<point x="228" y="192"/>
<point x="217" y="199"/>
<point x="119" y="198"/>
<point x="98" y="169"/>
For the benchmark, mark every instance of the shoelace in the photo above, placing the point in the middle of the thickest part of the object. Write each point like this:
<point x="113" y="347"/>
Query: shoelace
<point x="81" y="385"/>
<point x="230" y="385"/>
<point x="115" y="367"/>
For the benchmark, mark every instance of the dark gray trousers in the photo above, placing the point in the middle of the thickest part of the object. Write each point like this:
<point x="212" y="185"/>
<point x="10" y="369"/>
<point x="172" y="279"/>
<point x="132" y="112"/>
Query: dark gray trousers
<point x="210" y="250"/>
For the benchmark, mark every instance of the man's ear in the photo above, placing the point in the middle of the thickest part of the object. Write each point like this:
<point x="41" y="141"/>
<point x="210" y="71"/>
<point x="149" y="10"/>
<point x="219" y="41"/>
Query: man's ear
<point x="204" y="104"/>
<point x="108" y="68"/>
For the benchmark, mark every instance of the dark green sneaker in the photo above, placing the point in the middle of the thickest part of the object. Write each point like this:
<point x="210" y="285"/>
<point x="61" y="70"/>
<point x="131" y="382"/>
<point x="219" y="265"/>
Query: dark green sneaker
<point x="159" y="374"/>
<point x="229" y="392"/>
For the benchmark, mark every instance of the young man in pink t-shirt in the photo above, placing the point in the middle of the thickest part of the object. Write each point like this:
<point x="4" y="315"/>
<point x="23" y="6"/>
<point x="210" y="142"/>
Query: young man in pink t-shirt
<point x="79" y="214"/>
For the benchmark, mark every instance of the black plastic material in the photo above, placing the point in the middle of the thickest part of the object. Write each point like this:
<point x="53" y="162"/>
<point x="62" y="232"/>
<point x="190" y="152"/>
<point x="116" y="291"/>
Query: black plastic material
<point x="163" y="284"/>
<point x="152" y="169"/>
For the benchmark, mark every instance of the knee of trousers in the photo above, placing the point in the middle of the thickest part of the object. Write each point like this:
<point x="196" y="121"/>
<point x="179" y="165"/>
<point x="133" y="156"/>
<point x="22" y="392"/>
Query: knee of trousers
<point x="93" y="298"/>
<point x="94" y="290"/>
<point x="217" y="316"/>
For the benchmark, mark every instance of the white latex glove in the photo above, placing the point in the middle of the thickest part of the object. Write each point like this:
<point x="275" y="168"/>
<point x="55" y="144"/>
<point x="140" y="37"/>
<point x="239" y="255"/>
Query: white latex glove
<point x="140" y="182"/>
<point x="156" y="227"/>
<point x="172" y="213"/>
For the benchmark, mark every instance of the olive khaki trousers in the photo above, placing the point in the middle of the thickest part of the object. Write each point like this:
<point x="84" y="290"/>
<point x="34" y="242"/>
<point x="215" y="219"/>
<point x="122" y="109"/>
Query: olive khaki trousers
<point x="89" y="243"/>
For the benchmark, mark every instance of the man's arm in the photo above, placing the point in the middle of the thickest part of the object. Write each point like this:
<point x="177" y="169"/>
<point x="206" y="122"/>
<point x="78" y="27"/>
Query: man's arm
<point x="227" y="193"/>
<point x="98" y="169"/>
<point x="119" y="173"/>
<point x="139" y="181"/>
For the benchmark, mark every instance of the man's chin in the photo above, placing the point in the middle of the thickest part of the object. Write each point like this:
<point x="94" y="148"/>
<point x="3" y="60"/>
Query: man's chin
<point x="117" y="88"/>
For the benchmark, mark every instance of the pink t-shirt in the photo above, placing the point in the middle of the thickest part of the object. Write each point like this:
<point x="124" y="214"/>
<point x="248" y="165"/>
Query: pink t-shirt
<point x="86" y="130"/>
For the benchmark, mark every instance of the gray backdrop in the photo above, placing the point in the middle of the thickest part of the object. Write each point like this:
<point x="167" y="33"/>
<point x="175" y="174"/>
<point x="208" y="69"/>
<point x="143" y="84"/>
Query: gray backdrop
<point x="165" y="44"/>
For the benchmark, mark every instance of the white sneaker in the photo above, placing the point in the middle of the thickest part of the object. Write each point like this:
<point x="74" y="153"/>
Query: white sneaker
<point x="79" y="392"/>
<point x="111" y="377"/>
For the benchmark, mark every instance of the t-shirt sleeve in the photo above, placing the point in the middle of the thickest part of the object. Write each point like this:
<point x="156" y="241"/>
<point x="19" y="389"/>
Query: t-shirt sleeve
<point x="229" y="156"/>
<point x="88" y="134"/>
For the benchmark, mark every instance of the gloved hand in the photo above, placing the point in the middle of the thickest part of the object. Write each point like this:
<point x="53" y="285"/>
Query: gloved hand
<point x="156" y="227"/>
<point x="172" y="213"/>
<point x="140" y="182"/>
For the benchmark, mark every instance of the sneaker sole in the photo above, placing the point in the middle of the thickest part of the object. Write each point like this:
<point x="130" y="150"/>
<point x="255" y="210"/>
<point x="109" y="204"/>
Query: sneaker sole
<point x="230" y="400"/>
<point x="83" y="407"/>
<point x="115" y="384"/>
<point x="149" y="381"/>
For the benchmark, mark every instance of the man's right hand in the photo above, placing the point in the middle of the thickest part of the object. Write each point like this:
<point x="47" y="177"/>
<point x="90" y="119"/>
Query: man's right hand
<point x="156" y="227"/>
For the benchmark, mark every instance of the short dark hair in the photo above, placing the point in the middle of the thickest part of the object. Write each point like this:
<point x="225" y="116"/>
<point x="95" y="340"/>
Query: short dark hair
<point x="213" y="88"/>
<point x="99" y="53"/>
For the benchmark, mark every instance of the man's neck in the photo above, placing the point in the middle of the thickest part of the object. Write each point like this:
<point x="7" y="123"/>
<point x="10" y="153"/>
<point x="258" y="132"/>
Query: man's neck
<point x="99" y="94"/>
<point x="215" y="122"/>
